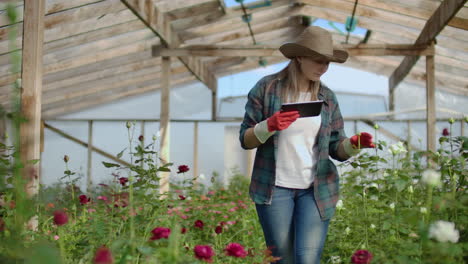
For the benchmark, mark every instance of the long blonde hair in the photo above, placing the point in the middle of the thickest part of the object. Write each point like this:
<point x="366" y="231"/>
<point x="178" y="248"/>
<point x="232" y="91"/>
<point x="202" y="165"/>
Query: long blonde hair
<point x="291" y="90"/>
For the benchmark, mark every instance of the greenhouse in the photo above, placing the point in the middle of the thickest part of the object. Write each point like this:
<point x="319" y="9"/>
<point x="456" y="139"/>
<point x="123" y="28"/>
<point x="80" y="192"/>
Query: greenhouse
<point x="121" y="128"/>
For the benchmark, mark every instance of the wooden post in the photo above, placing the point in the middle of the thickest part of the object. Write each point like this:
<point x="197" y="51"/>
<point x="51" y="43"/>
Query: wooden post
<point x="214" y="102"/>
<point x="430" y="103"/>
<point x="195" y="149"/>
<point x="462" y="128"/>
<point x="3" y="129"/>
<point x="164" y="126"/>
<point x="408" y="137"/>
<point x="30" y="131"/>
<point x="89" y="175"/>
<point x="142" y="143"/>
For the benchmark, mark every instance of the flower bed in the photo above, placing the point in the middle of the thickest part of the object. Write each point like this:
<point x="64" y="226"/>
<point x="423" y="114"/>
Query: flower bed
<point x="394" y="208"/>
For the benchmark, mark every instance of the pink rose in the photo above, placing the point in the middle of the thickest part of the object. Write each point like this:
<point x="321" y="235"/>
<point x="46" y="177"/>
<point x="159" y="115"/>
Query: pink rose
<point x="183" y="168"/>
<point x="123" y="180"/>
<point x="361" y="257"/>
<point x="199" y="224"/>
<point x="204" y="252"/>
<point x="160" y="232"/>
<point x="445" y="132"/>
<point x="60" y="217"/>
<point x="103" y="256"/>
<point x="84" y="199"/>
<point x="235" y="250"/>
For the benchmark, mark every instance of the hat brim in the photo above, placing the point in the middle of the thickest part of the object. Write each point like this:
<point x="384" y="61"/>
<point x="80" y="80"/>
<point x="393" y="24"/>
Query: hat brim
<point x="291" y="50"/>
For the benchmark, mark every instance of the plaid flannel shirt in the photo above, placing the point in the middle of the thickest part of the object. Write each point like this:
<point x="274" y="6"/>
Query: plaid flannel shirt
<point x="264" y="99"/>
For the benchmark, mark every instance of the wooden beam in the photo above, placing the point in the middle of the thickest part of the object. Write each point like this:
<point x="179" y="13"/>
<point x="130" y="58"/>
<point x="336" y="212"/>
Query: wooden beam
<point x="159" y="24"/>
<point x="430" y="104"/>
<point x="267" y="51"/>
<point x="89" y="175"/>
<point x="84" y="144"/>
<point x="164" y="124"/>
<point x="433" y="27"/>
<point x="30" y="131"/>
<point x="195" y="150"/>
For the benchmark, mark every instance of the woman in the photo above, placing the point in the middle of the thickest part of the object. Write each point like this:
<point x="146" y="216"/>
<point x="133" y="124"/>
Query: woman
<point x="294" y="183"/>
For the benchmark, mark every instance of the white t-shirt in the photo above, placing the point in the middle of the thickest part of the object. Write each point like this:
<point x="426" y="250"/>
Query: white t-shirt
<point x="297" y="151"/>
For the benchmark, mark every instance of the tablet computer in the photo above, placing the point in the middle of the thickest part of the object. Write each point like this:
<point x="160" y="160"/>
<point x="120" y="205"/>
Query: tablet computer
<point x="306" y="109"/>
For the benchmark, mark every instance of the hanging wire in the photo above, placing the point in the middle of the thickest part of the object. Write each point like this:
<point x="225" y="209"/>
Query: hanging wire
<point x="247" y="18"/>
<point x="350" y="25"/>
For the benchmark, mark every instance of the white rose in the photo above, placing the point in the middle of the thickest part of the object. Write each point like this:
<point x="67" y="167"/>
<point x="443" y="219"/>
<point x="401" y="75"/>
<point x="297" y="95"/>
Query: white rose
<point x="372" y="226"/>
<point x="397" y="148"/>
<point x="423" y="210"/>
<point x="347" y="230"/>
<point x="335" y="259"/>
<point x="444" y="231"/>
<point x="392" y="206"/>
<point x="431" y="177"/>
<point x="339" y="205"/>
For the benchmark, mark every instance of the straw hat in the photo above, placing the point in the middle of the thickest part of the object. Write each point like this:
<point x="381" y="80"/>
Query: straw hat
<point x="314" y="42"/>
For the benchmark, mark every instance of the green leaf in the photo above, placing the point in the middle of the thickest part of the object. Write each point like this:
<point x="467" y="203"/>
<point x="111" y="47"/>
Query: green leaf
<point x="121" y="153"/>
<point x="110" y="165"/>
<point x="145" y="250"/>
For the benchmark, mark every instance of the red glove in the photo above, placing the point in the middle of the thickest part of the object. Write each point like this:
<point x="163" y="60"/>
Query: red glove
<point x="362" y="140"/>
<point x="281" y="120"/>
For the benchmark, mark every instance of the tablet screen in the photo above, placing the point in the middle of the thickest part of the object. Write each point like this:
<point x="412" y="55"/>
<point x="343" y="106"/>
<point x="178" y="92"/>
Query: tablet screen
<point x="306" y="109"/>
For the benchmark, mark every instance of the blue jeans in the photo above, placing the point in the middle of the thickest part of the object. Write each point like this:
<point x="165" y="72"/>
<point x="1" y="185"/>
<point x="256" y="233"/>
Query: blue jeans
<point x="292" y="226"/>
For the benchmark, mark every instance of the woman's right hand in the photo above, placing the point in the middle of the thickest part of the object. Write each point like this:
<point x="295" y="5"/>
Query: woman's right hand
<point x="281" y="120"/>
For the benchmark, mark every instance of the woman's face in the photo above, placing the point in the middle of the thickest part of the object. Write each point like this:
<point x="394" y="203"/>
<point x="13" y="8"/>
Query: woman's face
<point x="313" y="68"/>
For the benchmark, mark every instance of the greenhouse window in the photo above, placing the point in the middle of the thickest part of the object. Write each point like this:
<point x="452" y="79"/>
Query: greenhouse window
<point x="341" y="28"/>
<point x="258" y="3"/>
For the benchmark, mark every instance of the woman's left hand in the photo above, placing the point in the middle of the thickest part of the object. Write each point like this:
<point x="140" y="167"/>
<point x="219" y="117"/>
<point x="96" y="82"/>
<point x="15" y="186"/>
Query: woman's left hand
<point x="362" y="140"/>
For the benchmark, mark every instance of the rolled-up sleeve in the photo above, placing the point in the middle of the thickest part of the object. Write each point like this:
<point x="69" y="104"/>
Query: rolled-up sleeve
<point x="253" y="110"/>
<point x="337" y="134"/>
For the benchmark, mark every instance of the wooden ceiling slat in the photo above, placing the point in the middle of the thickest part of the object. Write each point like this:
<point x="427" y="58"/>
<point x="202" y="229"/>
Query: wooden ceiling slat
<point x="410" y="12"/>
<point x="105" y="84"/>
<point x="434" y="25"/>
<point x="171" y="5"/>
<point x="71" y="29"/>
<point x="190" y="11"/>
<point x="98" y="46"/>
<point x="91" y="58"/>
<point x="103" y="73"/>
<point x="111" y="96"/>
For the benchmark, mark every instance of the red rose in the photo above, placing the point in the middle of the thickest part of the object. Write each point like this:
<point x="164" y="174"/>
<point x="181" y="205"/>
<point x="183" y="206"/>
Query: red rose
<point x="199" y="224"/>
<point x="2" y="224"/>
<point x="66" y="158"/>
<point x="445" y="132"/>
<point x="235" y="250"/>
<point x="204" y="252"/>
<point x="103" y="256"/>
<point x="60" y="217"/>
<point x="123" y="180"/>
<point x="141" y="138"/>
<point x="361" y="257"/>
<point x="84" y="199"/>
<point x="218" y="230"/>
<point x="183" y="230"/>
<point x="183" y="168"/>
<point x="182" y="197"/>
<point x="160" y="232"/>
